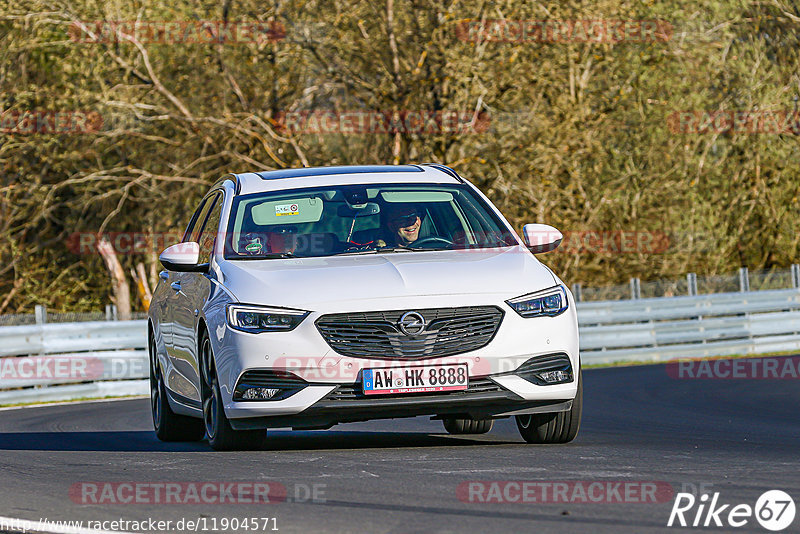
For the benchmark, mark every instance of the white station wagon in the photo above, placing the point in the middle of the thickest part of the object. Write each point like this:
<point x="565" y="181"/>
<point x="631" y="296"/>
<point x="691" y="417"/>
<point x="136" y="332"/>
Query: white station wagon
<point x="309" y="297"/>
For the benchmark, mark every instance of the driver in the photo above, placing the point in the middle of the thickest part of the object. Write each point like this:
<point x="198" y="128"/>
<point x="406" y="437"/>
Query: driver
<point x="403" y="222"/>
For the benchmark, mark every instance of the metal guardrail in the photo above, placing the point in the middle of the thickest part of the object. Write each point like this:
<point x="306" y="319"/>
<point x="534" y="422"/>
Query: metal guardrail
<point x="72" y="337"/>
<point x="660" y="329"/>
<point x="64" y="361"/>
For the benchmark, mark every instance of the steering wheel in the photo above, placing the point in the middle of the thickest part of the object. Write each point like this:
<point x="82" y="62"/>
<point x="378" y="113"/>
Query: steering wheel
<point x="432" y="239"/>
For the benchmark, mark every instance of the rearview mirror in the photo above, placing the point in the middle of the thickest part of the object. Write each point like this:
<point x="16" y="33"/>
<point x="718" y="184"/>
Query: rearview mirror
<point x="541" y="238"/>
<point x="183" y="257"/>
<point x="370" y="208"/>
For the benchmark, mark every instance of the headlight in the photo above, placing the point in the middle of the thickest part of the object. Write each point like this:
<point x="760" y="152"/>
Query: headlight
<point x="255" y="319"/>
<point x="550" y="302"/>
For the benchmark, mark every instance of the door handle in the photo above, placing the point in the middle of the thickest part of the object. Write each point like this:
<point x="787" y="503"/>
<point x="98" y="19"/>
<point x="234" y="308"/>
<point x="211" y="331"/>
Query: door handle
<point x="176" y="285"/>
<point x="164" y="275"/>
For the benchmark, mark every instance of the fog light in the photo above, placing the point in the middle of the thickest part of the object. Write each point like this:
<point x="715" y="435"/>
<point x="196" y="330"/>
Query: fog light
<point x="554" y="377"/>
<point x="259" y="393"/>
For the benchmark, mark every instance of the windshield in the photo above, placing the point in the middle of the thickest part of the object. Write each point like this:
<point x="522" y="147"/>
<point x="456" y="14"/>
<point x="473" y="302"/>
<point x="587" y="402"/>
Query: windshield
<point x="362" y="219"/>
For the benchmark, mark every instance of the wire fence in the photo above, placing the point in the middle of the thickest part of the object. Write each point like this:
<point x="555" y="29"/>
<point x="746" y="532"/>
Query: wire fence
<point x="742" y="281"/>
<point x="17" y="319"/>
<point x="44" y="316"/>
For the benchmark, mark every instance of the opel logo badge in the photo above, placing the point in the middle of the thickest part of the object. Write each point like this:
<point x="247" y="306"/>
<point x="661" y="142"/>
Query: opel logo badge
<point x="411" y="323"/>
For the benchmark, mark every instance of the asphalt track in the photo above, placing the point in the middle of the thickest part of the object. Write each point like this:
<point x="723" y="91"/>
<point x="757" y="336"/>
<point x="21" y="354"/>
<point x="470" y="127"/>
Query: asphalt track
<point x="736" y="437"/>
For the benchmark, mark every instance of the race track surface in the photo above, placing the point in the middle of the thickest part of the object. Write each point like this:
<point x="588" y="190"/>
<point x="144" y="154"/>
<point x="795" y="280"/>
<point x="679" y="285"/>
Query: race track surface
<point x="736" y="437"/>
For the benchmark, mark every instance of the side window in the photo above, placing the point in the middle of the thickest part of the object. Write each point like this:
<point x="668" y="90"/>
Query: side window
<point x="447" y="221"/>
<point x="199" y="224"/>
<point x="483" y="228"/>
<point x="197" y="220"/>
<point x="208" y="233"/>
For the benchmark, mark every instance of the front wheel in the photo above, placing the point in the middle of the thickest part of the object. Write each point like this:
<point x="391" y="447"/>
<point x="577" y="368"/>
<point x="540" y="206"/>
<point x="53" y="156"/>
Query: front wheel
<point x="221" y="436"/>
<point x="168" y="425"/>
<point x="558" y="427"/>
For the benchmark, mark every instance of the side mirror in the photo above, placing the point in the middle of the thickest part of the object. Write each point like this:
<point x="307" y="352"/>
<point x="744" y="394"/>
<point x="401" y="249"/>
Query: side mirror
<point x="541" y="238"/>
<point x="183" y="257"/>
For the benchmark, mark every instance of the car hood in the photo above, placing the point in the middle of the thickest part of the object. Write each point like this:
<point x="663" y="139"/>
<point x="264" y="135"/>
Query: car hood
<point x="302" y="282"/>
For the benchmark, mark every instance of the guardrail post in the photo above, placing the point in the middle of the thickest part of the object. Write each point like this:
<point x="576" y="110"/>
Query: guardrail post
<point x="796" y="276"/>
<point x="114" y="313"/>
<point x="744" y="280"/>
<point x="108" y="312"/>
<point x="41" y="314"/>
<point x="636" y="288"/>
<point x="691" y="280"/>
<point x="577" y="291"/>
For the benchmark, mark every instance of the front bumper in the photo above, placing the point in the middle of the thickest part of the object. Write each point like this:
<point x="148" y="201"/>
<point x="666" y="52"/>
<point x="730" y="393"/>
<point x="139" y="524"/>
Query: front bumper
<point x="305" y="353"/>
<point x="484" y="399"/>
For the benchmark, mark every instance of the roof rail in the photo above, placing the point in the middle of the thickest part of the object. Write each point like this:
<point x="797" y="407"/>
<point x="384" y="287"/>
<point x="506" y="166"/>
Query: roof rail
<point x="445" y="169"/>
<point x="342" y="169"/>
<point x="233" y="177"/>
<point x="230" y="176"/>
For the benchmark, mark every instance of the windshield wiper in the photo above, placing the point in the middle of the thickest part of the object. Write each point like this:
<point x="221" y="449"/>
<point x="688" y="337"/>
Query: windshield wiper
<point x="267" y="256"/>
<point x="372" y="251"/>
<point x="394" y="249"/>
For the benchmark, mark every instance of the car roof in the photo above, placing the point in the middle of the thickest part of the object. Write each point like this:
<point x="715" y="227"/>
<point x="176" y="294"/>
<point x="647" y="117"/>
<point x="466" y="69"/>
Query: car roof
<point x="256" y="182"/>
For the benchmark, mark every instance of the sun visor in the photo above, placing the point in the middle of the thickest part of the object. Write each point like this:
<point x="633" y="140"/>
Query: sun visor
<point x="416" y="196"/>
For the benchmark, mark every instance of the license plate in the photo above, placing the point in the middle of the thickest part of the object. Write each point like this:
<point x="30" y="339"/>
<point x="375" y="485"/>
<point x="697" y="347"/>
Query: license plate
<point x="420" y="379"/>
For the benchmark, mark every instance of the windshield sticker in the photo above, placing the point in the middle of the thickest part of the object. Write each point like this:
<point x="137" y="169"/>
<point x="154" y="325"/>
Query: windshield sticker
<point x="287" y="209"/>
<point x="254" y="247"/>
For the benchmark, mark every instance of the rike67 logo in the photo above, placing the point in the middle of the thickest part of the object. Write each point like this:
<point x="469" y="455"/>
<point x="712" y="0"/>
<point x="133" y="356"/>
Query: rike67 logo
<point x="774" y="510"/>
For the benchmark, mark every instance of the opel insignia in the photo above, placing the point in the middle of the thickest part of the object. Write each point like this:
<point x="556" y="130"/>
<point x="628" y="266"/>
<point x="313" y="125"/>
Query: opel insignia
<point x="305" y="298"/>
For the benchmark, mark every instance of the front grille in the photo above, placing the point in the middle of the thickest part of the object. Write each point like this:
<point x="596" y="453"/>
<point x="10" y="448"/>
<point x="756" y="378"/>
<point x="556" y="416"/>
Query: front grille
<point x="355" y="392"/>
<point x="448" y="331"/>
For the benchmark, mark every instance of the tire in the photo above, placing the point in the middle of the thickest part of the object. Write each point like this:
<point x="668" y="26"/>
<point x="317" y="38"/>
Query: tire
<point x="221" y="436"/>
<point x="168" y="425"/>
<point x="558" y="427"/>
<point x="467" y="426"/>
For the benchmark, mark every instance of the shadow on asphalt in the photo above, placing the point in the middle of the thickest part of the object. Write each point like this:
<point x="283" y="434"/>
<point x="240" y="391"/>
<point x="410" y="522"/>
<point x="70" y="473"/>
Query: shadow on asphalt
<point x="146" y="441"/>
